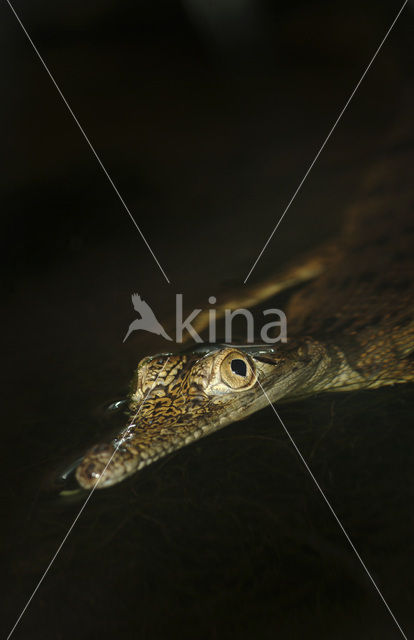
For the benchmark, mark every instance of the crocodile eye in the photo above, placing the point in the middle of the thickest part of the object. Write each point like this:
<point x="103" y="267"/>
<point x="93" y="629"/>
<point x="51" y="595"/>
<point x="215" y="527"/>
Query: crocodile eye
<point x="239" y="367"/>
<point x="236" y="371"/>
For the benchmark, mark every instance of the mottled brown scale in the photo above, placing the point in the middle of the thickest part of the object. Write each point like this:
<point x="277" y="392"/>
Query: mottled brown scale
<point x="363" y="303"/>
<point x="351" y="326"/>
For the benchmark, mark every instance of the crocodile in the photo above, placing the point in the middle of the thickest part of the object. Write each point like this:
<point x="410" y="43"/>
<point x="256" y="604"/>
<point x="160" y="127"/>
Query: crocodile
<point x="350" y="326"/>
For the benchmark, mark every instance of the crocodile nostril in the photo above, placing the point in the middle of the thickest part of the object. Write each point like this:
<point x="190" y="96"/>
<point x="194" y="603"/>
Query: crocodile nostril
<point x="90" y="471"/>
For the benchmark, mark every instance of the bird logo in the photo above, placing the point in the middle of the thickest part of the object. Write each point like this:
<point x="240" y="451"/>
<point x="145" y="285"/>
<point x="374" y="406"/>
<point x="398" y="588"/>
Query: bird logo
<point x="148" y="321"/>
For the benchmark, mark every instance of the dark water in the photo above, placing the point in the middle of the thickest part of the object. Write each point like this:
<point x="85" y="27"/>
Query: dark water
<point x="206" y="130"/>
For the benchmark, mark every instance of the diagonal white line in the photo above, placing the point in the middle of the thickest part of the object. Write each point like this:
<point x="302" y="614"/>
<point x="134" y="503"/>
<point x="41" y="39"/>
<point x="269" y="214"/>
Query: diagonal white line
<point x="87" y="139"/>
<point x="325" y="141"/>
<point x="308" y="469"/>
<point x="82" y="509"/>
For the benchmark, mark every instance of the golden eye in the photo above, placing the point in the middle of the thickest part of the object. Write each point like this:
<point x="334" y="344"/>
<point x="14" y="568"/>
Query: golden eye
<point x="236" y="371"/>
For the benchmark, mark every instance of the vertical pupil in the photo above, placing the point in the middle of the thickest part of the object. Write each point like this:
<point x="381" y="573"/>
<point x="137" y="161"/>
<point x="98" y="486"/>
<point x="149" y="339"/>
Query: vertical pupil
<point x="239" y="367"/>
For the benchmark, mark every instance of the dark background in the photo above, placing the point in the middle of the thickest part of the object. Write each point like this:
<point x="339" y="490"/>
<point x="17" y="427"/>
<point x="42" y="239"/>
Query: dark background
<point x="206" y="115"/>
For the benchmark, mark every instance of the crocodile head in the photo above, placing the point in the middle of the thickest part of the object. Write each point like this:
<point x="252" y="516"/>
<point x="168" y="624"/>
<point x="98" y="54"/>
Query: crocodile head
<point x="176" y="399"/>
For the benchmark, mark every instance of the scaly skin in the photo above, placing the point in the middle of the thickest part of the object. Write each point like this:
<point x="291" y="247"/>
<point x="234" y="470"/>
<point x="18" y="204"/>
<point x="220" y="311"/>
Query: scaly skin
<point x="180" y="398"/>
<point x="352" y="327"/>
